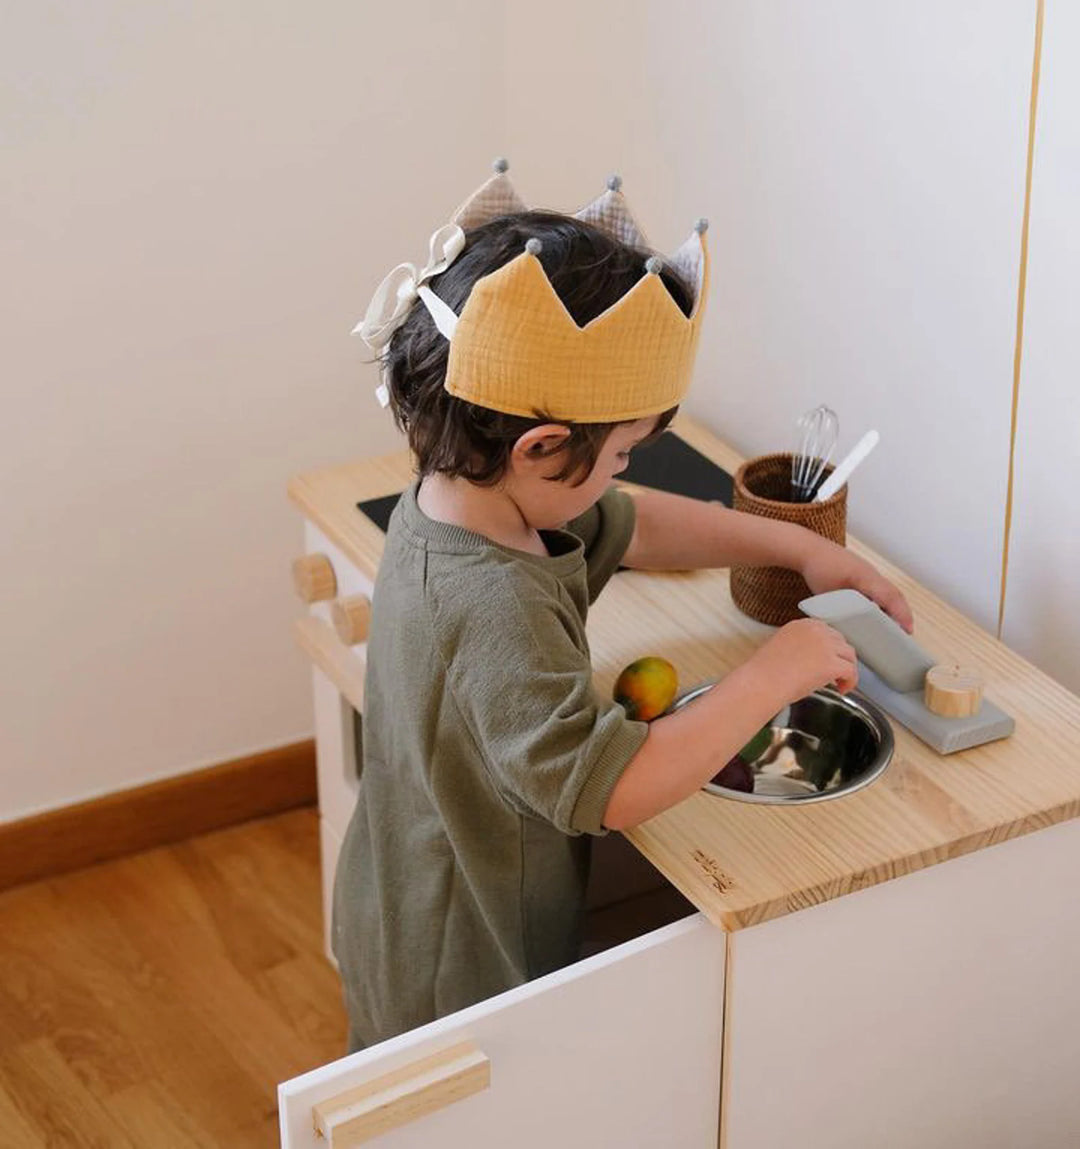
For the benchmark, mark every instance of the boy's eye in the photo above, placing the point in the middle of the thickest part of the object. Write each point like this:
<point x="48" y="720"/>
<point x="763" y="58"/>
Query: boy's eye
<point x="623" y="455"/>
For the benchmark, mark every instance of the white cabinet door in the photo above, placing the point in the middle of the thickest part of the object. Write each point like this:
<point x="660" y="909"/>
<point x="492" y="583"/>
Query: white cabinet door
<point x="936" y="1011"/>
<point x="620" y="1049"/>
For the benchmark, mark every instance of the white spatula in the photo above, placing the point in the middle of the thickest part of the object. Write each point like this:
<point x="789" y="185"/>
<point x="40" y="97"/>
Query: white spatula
<point x="848" y="464"/>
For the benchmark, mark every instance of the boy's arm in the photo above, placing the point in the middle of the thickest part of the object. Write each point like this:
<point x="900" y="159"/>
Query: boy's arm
<point x="682" y="751"/>
<point x="672" y="532"/>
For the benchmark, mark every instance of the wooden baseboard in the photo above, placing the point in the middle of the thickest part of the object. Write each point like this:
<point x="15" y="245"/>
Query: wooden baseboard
<point x="156" y="814"/>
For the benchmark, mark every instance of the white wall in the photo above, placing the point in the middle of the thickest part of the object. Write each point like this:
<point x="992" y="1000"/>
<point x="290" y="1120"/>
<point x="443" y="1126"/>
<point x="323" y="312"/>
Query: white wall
<point x="1042" y="619"/>
<point x="196" y="202"/>
<point x="862" y="163"/>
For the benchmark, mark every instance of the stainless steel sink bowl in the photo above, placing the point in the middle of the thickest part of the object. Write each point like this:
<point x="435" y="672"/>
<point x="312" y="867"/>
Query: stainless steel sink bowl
<point x="823" y="746"/>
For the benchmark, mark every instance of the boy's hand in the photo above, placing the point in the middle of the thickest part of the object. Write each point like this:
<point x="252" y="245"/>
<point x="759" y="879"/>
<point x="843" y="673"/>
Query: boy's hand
<point x="805" y="655"/>
<point x="832" y="567"/>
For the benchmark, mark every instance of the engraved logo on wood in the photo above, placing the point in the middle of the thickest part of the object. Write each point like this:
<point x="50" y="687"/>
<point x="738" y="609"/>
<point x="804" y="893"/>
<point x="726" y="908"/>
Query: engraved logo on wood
<point x="719" y="880"/>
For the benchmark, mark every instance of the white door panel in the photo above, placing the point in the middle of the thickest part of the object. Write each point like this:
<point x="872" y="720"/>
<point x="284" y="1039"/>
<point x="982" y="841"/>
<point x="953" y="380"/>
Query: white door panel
<point x="620" y="1049"/>
<point x="1041" y="619"/>
<point x="937" y="1011"/>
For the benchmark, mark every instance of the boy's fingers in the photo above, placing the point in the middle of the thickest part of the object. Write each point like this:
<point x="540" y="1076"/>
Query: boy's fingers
<point x="890" y="598"/>
<point x="892" y="602"/>
<point x="849" y="675"/>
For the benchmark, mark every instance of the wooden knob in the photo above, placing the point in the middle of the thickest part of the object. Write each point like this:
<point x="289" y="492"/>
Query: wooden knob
<point x="350" y="617"/>
<point x="953" y="691"/>
<point x="314" y="578"/>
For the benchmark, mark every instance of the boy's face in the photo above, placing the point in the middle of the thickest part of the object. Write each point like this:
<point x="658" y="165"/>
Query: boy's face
<point x="548" y="504"/>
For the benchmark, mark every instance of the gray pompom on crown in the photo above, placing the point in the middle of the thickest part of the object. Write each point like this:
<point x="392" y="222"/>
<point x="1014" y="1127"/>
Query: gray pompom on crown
<point x="533" y="246"/>
<point x="702" y="226"/>
<point x="500" y="165"/>
<point x="654" y="265"/>
<point x="614" y="183"/>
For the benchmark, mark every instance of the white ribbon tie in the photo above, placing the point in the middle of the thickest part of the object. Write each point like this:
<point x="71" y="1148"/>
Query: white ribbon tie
<point x="396" y="294"/>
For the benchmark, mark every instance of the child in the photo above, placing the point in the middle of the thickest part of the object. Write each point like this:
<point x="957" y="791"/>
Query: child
<point x="488" y="759"/>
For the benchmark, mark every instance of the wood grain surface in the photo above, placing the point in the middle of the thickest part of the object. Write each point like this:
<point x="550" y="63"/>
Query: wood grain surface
<point x="156" y="1001"/>
<point x="741" y="863"/>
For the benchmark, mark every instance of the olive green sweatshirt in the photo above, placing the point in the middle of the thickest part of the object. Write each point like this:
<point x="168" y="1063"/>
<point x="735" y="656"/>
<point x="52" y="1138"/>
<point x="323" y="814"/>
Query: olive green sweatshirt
<point x="488" y="759"/>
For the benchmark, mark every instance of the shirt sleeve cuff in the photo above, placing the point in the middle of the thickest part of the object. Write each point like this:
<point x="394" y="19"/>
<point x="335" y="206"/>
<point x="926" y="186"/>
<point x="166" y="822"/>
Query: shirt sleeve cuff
<point x="625" y="741"/>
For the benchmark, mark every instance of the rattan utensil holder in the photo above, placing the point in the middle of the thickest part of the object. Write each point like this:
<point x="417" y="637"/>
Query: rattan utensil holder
<point x="763" y="487"/>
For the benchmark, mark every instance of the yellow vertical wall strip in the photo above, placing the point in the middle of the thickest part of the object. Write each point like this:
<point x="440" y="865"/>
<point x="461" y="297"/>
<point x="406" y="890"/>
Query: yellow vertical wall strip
<point x="1018" y="349"/>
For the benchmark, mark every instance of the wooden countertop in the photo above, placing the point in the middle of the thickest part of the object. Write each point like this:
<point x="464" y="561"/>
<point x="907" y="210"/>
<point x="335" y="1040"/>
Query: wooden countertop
<point x="742" y="863"/>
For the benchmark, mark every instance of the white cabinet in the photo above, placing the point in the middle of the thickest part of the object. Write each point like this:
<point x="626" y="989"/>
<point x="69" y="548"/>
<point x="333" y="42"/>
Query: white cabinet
<point x="937" y="1011"/>
<point x="619" y="1049"/>
<point x="934" y="1010"/>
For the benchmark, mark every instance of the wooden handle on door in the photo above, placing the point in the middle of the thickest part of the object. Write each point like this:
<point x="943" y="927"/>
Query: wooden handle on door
<point x="403" y="1095"/>
<point x="314" y="578"/>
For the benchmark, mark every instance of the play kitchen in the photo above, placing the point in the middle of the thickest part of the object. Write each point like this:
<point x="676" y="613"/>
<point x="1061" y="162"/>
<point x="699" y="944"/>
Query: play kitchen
<point x="811" y="996"/>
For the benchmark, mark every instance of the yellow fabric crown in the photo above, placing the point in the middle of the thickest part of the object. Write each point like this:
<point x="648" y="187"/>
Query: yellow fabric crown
<point x="515" y="348"/>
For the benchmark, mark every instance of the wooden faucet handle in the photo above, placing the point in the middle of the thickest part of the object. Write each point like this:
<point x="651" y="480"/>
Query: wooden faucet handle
<point x="314" y="578"/>
<point x="351" y="616"/>
<point x="953" y="691"/>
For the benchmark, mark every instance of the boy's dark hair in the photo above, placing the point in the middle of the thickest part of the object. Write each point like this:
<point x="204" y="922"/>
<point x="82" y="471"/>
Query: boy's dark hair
<point x="589" y="271"/>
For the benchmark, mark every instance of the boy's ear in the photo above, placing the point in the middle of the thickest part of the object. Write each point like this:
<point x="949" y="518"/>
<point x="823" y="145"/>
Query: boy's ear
<point x="537" y="444"/>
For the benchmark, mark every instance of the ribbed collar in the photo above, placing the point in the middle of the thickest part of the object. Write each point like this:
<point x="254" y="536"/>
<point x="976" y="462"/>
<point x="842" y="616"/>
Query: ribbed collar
<point x="569" y="556"/>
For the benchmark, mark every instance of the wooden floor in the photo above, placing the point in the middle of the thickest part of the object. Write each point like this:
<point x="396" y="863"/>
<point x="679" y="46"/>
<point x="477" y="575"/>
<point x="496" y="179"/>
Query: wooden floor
<point x="157" y="1001"/>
